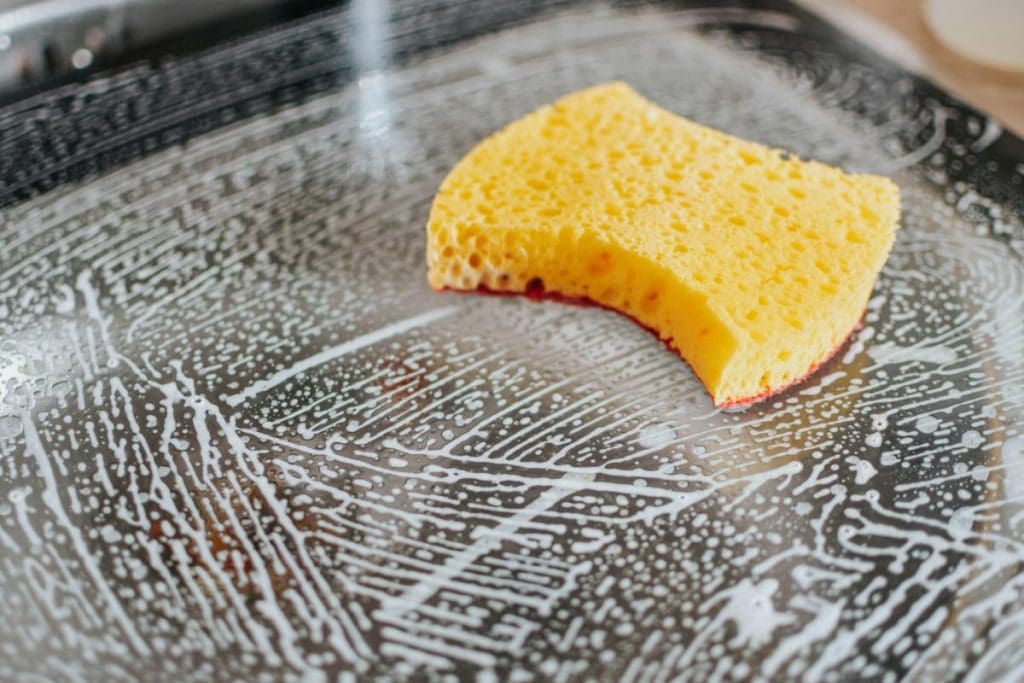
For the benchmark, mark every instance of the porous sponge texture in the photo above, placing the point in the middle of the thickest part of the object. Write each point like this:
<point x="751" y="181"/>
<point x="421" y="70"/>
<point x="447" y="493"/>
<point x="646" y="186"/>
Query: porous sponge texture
<point x="755" y="266"/>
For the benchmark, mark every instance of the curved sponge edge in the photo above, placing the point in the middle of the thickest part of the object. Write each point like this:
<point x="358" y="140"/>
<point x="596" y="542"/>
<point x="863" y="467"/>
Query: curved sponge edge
<point x="754" y="265"/>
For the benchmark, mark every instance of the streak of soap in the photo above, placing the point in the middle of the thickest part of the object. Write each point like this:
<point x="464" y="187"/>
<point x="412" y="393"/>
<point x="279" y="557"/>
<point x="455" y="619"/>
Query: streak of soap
<point x="1008" y="335"/>
<point x="595" y="541"/>
<point x="829" y="379"/>
<point x="751" y="608"/>
<point x="1012" y="454"/>
<point x="886" y="354"/>
<point x="656" y="435"/>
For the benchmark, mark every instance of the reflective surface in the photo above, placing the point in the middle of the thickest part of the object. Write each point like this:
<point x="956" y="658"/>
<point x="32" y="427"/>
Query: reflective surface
<point x="241" y="438"/>
<point x="45" y="41"/>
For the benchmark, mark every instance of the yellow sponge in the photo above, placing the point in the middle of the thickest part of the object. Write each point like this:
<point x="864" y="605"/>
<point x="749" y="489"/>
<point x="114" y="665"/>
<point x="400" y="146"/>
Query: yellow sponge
<point x="755" y="266"/>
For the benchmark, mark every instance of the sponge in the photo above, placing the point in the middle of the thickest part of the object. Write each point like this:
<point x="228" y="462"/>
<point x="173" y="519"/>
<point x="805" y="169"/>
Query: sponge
<point x="754" y="265"/>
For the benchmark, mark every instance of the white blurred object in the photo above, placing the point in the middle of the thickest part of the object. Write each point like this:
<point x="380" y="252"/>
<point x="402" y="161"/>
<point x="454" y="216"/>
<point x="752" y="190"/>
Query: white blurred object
<point x="870" y="31"/>
<point x="990" y="32"/>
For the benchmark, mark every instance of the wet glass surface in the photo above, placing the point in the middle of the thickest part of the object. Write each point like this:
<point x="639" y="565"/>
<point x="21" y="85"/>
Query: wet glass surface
<point x="241" y="438"/>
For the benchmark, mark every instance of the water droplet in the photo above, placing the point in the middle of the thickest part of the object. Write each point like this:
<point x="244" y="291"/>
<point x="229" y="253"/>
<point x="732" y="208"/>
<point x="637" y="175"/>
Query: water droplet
<point x="926" y="424"/>
<point x="972" y="439"/>
<point x="10" y="426"/>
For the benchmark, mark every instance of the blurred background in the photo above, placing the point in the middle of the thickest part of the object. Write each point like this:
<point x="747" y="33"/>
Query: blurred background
<point x="971" y="47"/>
<point x="47" y="42"/>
